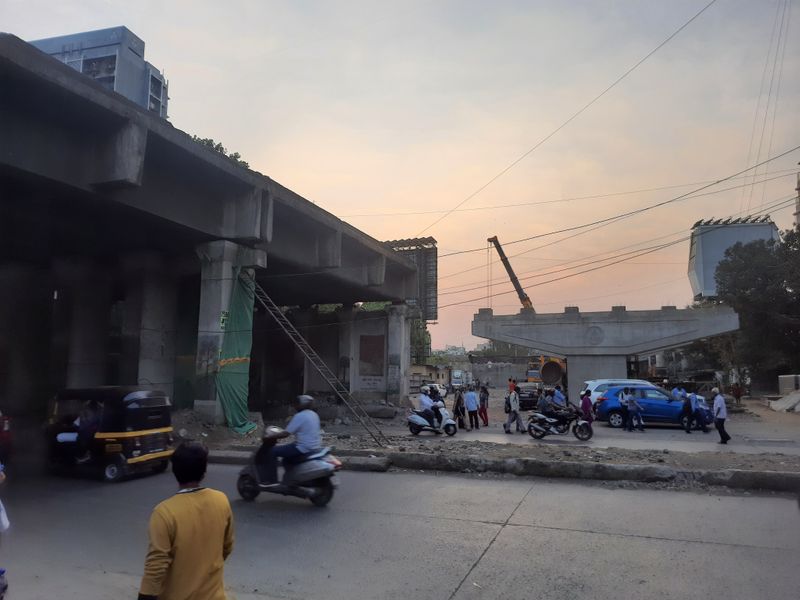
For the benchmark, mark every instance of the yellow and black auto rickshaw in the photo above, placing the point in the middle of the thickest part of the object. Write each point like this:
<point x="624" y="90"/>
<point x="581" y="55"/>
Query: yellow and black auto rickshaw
<point x="109" y="431"/>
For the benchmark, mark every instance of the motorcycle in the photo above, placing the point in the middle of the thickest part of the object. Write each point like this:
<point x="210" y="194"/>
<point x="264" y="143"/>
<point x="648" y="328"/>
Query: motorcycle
<point x="417" y="422"/>
<point x="313" y="478"/>
<point x="540" y="426"/>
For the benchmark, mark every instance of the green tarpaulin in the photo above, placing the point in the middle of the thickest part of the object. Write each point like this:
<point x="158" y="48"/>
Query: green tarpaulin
<point x="234" y="362"/>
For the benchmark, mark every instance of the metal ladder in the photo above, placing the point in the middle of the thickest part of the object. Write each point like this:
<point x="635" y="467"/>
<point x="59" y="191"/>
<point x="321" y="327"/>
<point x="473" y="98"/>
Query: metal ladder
<point x="337" y="386"/>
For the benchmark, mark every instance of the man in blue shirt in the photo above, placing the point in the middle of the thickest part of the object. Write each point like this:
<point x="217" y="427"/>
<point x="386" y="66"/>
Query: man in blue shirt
<point x="304" y="425"/>
<point x="559" y="398"/>
<point x="471" y="404"/>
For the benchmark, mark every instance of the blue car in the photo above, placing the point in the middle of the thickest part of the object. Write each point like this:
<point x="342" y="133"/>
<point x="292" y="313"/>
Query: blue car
<point x="658" y="406"/>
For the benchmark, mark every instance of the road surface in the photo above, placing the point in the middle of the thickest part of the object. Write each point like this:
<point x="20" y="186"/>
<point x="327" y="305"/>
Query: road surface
<point x="419" y="536"/>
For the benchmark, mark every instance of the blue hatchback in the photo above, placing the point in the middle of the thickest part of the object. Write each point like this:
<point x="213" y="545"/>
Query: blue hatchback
<point x="658" y="406"/>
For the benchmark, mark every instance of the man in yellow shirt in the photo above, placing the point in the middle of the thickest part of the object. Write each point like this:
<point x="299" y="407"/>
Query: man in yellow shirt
<point x="191" y="535"/>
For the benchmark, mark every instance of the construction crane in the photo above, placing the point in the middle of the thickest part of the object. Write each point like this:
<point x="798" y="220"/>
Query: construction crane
<point x="523" y="297"/>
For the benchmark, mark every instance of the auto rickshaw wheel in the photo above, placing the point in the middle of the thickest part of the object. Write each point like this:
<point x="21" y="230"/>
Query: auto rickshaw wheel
<point x="113" y="472"/>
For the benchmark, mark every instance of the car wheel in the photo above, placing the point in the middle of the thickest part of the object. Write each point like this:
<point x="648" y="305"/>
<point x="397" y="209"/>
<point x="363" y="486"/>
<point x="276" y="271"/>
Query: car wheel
<point x="414" y="428"/>
<point x="247" y="488"/>
<point x="450" y="430"/>
<point x="113" y="472"/>
<point x="615" y="418"/>
<point x="324" y="493"/>
<point x="583" y="432"/>
<point x="535" y="433"/>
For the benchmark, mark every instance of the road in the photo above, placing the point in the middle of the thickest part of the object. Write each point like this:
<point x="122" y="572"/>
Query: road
<point x="420" y="536"/>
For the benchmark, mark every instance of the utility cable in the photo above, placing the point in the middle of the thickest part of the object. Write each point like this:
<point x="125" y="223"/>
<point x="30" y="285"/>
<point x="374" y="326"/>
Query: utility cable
<point x="780" y="173"/>
<point x="786" y="201"/>
<point x="570" y="119"/>
<point x="637" y="211"/>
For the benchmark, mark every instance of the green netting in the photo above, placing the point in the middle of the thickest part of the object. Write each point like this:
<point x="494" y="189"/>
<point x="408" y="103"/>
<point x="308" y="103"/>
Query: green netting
<point x="234" y="361"/>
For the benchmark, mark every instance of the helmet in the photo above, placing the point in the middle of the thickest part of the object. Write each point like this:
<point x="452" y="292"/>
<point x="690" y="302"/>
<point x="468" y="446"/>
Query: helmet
<point x="304" y="401"/>
<point x="425" y="390"/>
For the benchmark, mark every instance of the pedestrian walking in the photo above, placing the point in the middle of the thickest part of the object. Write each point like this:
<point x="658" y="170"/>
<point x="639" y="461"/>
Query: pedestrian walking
<point x="686" y="414"/>
<point x="586" y="406"/>
<point x="459" y="411"/>
<point x="634" y="413"/>
<point x="483" y="409"/>
<point x="623" y="406"/>
<point x="720" y="415"/>
<point x="191" y="535"/>
<point x="513" y="414"/>
<point x="471" y="404"/>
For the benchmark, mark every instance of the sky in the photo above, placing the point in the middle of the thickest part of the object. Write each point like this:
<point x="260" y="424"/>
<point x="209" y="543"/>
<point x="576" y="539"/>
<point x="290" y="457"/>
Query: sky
<point x="389" y="114"/>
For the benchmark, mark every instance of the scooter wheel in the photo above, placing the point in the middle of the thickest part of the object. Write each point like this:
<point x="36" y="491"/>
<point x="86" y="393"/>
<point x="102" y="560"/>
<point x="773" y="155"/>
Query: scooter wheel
<point x="535" y="433"/>
<point x="450" y="430"/>
<point x="583" y="432"/>
<point x="247" y="488"/>
<point x="324" y="493"/>
<point x="414" y="428"/>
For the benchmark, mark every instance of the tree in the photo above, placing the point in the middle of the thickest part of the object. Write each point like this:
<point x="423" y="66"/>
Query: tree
<point x="217" y="147"/>
<point x="761" y="282"/>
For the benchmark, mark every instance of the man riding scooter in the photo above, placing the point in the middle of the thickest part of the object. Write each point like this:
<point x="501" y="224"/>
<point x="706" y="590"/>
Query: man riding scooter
<point x="304" y="425"/>
<point x="426" y="405"/>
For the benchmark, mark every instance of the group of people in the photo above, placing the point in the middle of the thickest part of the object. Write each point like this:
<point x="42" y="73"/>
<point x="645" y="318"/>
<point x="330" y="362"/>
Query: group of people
<point x="468" y="405"/>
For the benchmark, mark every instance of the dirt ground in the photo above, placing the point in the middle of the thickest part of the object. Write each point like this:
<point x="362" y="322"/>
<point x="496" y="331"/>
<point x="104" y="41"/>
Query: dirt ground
<point x="352" y="437"/>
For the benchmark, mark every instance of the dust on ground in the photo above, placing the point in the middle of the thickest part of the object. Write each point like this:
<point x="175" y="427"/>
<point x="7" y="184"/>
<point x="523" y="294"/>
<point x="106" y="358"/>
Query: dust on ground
<point x="351" y="437"/>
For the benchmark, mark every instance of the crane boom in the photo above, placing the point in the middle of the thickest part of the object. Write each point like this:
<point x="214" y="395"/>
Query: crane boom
<point x="523" y="297"/>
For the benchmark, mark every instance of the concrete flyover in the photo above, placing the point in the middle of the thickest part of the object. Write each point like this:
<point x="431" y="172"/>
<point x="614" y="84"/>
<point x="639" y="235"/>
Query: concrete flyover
<point x="119" y="239"/>
<point x="597" y="344"/>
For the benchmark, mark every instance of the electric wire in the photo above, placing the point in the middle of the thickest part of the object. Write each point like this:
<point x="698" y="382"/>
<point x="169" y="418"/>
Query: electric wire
<point x="787" y="202"/>
<point x="780" y="173"/>
<point x="570" y="119"/>
<point x="637" y="211"/>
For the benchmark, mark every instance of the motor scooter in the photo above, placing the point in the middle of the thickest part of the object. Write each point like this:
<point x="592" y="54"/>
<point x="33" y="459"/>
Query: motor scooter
<point x="312" y="478"/>
<point x="417" y="422"/>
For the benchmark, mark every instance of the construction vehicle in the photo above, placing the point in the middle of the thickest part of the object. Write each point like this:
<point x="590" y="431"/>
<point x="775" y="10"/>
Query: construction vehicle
<point x="544" y="370"/>
<point x="523" y="297"/>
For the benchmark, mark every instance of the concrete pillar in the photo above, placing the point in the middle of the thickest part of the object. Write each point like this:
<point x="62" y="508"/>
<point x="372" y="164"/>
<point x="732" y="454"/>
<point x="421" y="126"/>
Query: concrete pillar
<point x="219" y="260"/>
<point x="581" y="368"/>
<point x="347" y="345"/>
<point x="88" y="288"/>
<point x="149" y="324"/>
<point x="25" y="332"/>
<point x="399" y="353"/>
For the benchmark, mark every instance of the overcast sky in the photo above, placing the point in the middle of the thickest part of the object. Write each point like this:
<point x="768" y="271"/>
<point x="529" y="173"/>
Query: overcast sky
<point x="409" y="107"/>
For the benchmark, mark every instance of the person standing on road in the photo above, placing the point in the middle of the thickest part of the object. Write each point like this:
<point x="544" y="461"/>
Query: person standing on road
<point x="720" y="414"/>
<point x="191" y="535"/>
<point x="513" y="414"/>
<point x="634" y="413"/>
<point x="459" y="412"/>
<point x="483" y="409"/>
<point x="586" y="406"/>
<point x="736" y="392"/>
<point x="623" y="406"/>
<point x="686" y="414"/>
<point x="471" y="404"/>
<point x="697" y="414"/>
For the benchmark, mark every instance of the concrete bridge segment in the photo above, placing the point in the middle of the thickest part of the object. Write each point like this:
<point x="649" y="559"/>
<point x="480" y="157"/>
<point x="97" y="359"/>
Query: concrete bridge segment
<point x="597" y="344"/>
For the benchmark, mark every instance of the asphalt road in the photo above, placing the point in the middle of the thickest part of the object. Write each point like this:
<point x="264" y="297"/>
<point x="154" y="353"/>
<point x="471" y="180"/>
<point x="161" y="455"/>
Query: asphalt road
<point x="420" y="536"/>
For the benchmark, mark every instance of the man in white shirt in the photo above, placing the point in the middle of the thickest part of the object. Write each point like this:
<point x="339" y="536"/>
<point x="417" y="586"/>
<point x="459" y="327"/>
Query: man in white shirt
<point x="720" y="414"/>
<point x="426" y="404"/>
<point x="304" y="425"/>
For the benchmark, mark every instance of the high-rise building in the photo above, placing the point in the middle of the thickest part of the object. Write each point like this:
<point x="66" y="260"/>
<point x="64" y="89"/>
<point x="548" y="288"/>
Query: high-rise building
<point x="710" y="240"/>
<point x="115" y="59"/>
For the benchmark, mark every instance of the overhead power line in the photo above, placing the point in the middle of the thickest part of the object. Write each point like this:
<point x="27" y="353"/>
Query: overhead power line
<point x="574" y="116"/>
<point x="782" y="204"/>
<point x="637" y="211"/>
<point x="779" y="174"/>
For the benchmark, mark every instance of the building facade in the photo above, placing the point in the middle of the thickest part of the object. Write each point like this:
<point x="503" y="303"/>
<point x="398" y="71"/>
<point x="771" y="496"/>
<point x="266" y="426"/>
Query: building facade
<point x="114" y="58"/>
<point x="710" y="240"/>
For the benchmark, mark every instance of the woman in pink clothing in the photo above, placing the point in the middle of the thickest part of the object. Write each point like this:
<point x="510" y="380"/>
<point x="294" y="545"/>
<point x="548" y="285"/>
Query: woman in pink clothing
<point x="586" y="406"/>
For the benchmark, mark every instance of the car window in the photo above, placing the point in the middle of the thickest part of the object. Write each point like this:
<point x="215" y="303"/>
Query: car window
<point x="602" y="387"/>
<point x="653" y="394"/>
